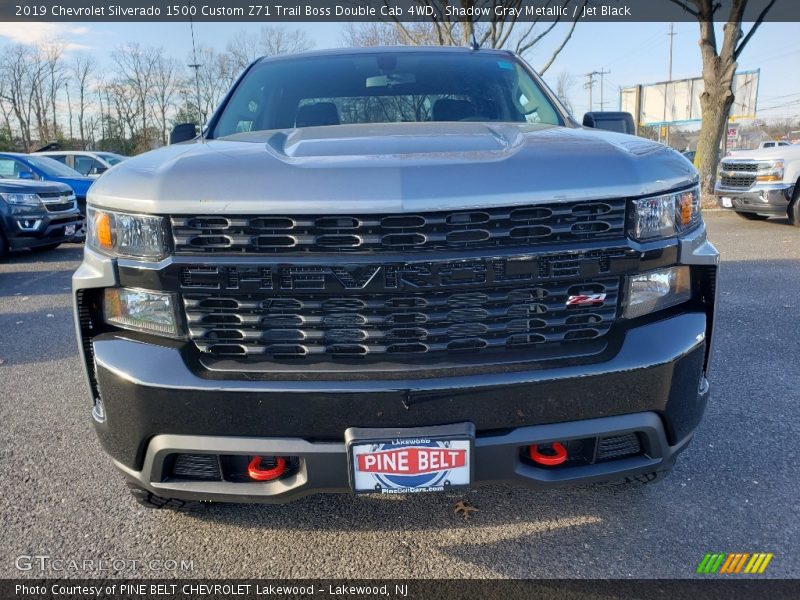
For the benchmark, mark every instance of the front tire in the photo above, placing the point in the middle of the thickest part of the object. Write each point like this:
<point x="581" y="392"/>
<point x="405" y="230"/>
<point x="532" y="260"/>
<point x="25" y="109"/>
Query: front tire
<point x="4" y="249"/>
<point x="793" y="212"/>
<point x="752" y="216"/>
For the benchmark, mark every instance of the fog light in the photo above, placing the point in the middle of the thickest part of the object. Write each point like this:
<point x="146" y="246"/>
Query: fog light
<point x="140" y="310"/>
<point x="656" y="290"/>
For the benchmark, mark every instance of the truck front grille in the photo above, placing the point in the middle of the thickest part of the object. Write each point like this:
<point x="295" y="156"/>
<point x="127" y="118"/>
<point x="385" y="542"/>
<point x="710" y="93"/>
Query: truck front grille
<point x="297" y="325"/>
<point x="738" y="181"/>
<point x="738" y="174"/>
<point x="459" y="229"/>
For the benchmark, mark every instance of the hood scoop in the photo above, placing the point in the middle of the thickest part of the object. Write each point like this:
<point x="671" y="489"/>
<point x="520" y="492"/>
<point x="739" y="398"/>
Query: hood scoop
<point x="436" y="140"/>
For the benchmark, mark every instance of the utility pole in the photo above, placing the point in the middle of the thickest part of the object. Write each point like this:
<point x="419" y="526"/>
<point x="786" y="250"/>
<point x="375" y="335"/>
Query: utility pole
<point x="601" y="72"/>
<point x="69" y="107"/>
<point x="671" y="35"/>
<point x="590" y="85"/>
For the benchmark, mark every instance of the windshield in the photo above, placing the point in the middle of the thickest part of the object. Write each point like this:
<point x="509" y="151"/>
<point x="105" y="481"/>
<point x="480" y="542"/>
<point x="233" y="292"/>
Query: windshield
<point x="51" y="168"/>
<point x="385" y="87"/>
<point x="111" y="158"/>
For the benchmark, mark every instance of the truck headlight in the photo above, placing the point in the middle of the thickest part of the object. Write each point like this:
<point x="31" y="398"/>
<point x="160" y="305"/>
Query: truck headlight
<point x="771" y="170"/>
<point x="664" y="216"/>
<point x="22" y="199"/>
<point x="648" y="292"/>
<point x="140" y="310"/>
<point x="126" y="235"/>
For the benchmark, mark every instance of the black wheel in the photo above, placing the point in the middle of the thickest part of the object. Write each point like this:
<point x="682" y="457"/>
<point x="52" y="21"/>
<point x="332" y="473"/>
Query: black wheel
<point x="793" y="212"/>
<point x="46" y="248"/>
<point x="150" y="500"/>
<point x="752" y="216"/>
<point x="3" y="246"/>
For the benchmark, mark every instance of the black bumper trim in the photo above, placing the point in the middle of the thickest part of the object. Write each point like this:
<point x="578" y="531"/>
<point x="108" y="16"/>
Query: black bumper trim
<point x="149" y="390"/>
<point x="323" y="466"/>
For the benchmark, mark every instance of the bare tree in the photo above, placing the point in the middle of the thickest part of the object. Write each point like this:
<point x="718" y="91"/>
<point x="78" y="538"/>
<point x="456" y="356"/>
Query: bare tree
<point x="82" y="70"/>
<point x="167" y="81"/>
<point x="271" y="40"/>
<point x="19" y="77"/>
<point x="389" y="34"/>
<point x="495" y="32"/>
<point x="215" y="75"/>
<point x="136" y="68"/>
<point x="53" y="80"/>
<point x="719" y="69"/>
<point x="564" y="84"/>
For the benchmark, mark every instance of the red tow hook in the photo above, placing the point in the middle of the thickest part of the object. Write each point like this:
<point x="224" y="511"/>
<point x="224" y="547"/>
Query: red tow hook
<point x="550" y="460"/>
<point x="256" y="472"/>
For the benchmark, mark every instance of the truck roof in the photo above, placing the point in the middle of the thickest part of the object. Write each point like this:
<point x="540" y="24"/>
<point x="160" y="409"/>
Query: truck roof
<point x="385" y="50"/>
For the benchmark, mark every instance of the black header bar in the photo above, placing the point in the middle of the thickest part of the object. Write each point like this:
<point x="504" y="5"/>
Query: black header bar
<point x="481" y="11"/>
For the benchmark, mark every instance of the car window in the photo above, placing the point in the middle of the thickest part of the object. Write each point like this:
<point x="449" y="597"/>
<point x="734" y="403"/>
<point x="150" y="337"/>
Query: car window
<point x="111" y="158"/>
<point x="385" y="87"/>
<point x="85" y="164"/>
<point x="11" y="168"/>
<point x="50" y="167"/>
<point x="62" y="158"/>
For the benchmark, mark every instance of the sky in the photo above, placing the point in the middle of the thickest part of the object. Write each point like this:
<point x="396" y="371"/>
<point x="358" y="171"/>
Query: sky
<point x="634" y="53"/>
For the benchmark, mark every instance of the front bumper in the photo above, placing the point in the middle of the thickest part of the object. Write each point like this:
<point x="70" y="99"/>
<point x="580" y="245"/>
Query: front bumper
<point x="155" y="398"/>
<point x="155" y="406"/>
<point x="39" y="228"/>
<point x="762" y="198"/>
<point x="323" y="465"/>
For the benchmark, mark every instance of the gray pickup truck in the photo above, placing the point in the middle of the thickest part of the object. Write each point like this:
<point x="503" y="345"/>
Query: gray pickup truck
<point x="394" y="270"/>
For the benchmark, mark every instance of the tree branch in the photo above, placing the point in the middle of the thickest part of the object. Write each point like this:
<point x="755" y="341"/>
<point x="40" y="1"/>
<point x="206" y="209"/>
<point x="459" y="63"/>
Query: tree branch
<point x="685" y="7"/>
<point x="750" y="33"/>
<point x="561" y="47"/>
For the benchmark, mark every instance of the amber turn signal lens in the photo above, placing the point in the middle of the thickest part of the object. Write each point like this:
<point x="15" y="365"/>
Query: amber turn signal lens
<point x="102" y="225"/>
<point x="686" y="208"/>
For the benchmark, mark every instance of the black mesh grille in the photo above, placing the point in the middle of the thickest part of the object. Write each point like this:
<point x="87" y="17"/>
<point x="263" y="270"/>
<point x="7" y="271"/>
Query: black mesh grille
<point x="196" y="466"/>
<point x="617" y="446"/>
<point x="312" y="325"/>
<point x="59" y="207"/>
<point x="479" y="228"/>
<point x="742" y="181"/>
<point x="742" y="167"/>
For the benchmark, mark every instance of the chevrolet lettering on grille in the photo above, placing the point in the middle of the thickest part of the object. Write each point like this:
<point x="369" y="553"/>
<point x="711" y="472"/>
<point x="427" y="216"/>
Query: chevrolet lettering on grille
<point x="401" y="277"/>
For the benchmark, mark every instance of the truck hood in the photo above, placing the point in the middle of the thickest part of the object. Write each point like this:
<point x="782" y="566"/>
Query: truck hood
<point x="79" y="185"/>
<point x="24" y="186"/>
<point x="792" y="152"/>
<point x="395" y="167"/>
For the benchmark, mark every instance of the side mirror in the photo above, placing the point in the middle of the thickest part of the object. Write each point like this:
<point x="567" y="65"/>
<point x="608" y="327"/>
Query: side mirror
<point x="26" y="175"/>
<point x="621" y="122"/>
<point x="183" y="132"/>
<point x="99" y="170"/>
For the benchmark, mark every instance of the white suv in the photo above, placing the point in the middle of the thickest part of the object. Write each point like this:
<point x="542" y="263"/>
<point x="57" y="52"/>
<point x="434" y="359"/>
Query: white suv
<point x="91" y="164"/>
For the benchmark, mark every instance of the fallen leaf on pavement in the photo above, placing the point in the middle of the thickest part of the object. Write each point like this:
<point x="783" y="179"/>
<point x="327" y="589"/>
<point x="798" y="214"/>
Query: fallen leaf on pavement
<point x="464" y="509"/>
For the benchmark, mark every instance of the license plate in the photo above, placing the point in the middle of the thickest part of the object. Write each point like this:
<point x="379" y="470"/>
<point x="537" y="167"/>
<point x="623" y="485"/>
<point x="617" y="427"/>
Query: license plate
<point x="403" y="461"/>
<point x="69" y="230"/>
<point x="727" y="202"/>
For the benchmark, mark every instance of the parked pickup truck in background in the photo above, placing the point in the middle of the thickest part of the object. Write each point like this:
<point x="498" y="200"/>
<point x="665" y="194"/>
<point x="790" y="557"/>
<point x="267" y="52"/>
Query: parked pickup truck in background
<point x="759" y="184"/>
<point x="394" y="270"/>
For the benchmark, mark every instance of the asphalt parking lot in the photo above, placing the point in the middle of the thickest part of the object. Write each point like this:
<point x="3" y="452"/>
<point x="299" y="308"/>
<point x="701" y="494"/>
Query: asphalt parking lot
<point x="735" y="489"/>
